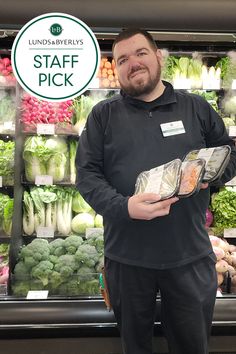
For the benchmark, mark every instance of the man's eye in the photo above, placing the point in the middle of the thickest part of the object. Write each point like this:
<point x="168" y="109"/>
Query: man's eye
<point x="122" y="61"/>
<point x="141" y="54"/>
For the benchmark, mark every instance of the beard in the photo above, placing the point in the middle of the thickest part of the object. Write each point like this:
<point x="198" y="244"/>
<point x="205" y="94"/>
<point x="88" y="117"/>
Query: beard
<point x="141" y="86"/>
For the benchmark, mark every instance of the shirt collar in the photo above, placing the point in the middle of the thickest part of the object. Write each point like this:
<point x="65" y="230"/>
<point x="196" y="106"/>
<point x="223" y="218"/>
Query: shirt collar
<point x="167" y="97"/>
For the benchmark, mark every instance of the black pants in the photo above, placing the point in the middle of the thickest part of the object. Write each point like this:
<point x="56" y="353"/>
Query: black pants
<point x="187" y="303"/>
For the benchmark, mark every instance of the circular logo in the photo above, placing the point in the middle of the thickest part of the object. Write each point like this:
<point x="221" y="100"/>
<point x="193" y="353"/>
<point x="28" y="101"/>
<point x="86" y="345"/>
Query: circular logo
<point x="56" y="29"/>
<point x="55" y="57"/>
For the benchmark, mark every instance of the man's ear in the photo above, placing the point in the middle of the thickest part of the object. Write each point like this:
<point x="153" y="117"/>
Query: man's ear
<point x="160" y="57"/>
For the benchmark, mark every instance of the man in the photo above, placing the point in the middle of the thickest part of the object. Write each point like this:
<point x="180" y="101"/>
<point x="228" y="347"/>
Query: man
<point x="151" y="244"/>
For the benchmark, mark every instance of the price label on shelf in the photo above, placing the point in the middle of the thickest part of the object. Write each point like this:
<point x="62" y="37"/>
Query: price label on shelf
<point x="3" y="289"/>
<point x="37" y="294"/>
<point x="213" y="84"/>
<point x="44" y="180"/>
<point x="233" y="86"/>
<point x="45" y="231"/>
<point x="8" y="126"/>
<point x="45" y="129"/>
<point x="184" y="84"/>
<point x="0" y="181"/>
<point x="230" y="233"/>
<point x="232" y="130"/>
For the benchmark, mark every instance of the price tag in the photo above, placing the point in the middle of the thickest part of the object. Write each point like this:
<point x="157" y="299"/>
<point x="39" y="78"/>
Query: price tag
<point x="230" y="233"/>
<point x="0" y="181"/>
<point x="8" y="126"/>
<point x="45" y="231"/>
<point x="37" y="294"/>
<point x="232" y="182"/>
<point x="184" y="84"/>
<point x="233" y="86"/>
<point x="232" y="130"/>
<point x="92" y="231"/>
<point x="46" y="129"/>
<point x="44" y="180"/>
<point x="219" y="293"/>
<point x="213" y="84"/>
<point x="3" y="289"/>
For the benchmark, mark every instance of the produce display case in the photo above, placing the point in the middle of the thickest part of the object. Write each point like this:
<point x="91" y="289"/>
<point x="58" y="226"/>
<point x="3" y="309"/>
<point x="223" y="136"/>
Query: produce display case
<point x="73" y="312"/>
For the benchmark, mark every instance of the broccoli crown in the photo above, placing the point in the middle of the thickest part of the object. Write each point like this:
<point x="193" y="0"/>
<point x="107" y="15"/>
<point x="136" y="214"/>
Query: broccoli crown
<point x="100" y="264"/>
<point x="21" y="271"/>
<point x="37" y="250"/>
<point x="54" y="282"/>
<point x="85" y="273"/>
<point x="87" y="255"/>
<point x="72" y="243"/>
<point x="56" y="247"/>
<point x="97" y="242"/>
<point x="66" y="265"/>
<point x="21" y="288"/>
<point x="42" y="271"/>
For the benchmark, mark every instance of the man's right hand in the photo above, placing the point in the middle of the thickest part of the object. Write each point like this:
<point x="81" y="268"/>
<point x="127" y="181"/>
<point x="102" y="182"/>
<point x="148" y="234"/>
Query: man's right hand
<point x="147" y="206"/>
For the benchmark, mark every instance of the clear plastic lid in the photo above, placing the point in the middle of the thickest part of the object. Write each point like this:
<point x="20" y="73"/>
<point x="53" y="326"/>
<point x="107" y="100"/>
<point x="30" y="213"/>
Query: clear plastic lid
<point x="191" y="177"/>
<point x="163" y="180"/>
<point x="216" y="159"/>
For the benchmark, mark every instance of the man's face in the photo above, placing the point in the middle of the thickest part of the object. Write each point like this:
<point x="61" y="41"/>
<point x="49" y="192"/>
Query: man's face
<point x="138" y="65"/>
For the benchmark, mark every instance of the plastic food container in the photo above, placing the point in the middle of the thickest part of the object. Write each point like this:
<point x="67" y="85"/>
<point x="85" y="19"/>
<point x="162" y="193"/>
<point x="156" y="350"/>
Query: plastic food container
<point x="163" y="180"/>
<point x="191" y="177"/>
<point x="216" y="159"/>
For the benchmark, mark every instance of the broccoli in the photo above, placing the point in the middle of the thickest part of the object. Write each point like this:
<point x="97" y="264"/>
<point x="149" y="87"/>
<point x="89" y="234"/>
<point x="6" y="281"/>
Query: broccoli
<point x="54" y="282"/>
<point x="20" y="288"/>
<point x="57" y="248"/>
<point x="34" y="252"/>
<point x="85" y="273"/>
<point x="90" y="287"/>
<point x="87" y="255"/>
<point x="72" y="243"/>
<point x="97" y="242"/>
<point x="21" y="271"/>
<point x="42" y="271"/>
<point x="66" y="265"/>
<point x="53" y="259"/>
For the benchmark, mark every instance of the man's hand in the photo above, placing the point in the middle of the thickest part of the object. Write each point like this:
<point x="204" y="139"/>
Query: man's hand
<point x="147" y="206"/>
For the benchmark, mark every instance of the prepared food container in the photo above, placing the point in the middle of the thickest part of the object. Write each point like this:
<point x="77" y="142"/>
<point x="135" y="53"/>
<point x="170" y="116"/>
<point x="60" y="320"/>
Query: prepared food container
<point x="163" y="180"/>
<point x="191" y="177"/>
<point x="216" y="159"/>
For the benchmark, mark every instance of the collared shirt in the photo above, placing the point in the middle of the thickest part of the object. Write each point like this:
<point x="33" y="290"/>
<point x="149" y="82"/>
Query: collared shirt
<point x="122" y="138"/>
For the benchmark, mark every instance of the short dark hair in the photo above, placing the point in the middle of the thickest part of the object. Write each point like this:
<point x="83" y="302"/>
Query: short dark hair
<point x="127" y="33"/>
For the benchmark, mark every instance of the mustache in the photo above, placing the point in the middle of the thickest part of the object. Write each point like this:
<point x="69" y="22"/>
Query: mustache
<point x="135" y="69"/>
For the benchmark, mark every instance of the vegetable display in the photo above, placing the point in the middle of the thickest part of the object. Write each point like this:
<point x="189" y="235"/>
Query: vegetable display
<point x="63" y="266"/>
<point x="225" y="260"/>
<point x="6" y="74"/>
<point x="56" y="207"/>
<point x="7" y="151"/>
<point x="4" y="267"/>
<point x="7" y="112"/>
<point x="107" y="74"/>
<point x="227" y="66"/>
<point x="223" y="206"/>
<point x="36" y="111"/>
<point x="46" y="156"/>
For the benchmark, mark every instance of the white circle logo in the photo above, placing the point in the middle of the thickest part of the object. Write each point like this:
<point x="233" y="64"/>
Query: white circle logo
<point x="55" y="56"/>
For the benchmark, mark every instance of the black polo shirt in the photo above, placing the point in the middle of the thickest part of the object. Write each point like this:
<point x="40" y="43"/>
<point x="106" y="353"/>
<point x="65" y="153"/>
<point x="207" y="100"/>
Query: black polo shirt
<point x="122" y="138"/>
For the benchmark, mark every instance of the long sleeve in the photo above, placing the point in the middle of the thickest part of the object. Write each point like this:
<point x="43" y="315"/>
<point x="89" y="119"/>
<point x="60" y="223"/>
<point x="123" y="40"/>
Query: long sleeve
<point x="91" y="180"/>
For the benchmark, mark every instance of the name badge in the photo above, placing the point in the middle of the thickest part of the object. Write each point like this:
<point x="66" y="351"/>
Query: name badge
<point x="172" y="128"/>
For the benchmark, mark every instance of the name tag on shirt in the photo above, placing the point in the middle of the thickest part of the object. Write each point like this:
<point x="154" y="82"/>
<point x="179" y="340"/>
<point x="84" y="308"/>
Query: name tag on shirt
<point x="172" y="128"/>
